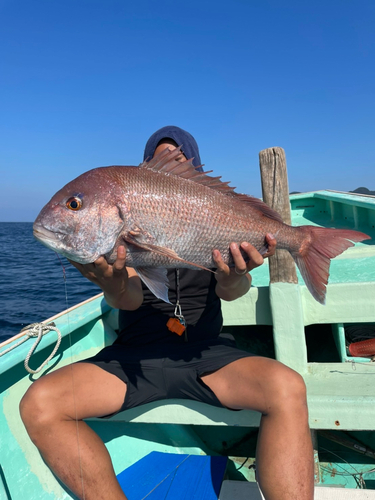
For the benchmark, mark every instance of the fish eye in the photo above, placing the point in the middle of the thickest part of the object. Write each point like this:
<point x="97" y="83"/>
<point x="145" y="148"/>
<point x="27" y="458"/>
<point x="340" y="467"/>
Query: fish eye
<point x="74" y="203"/>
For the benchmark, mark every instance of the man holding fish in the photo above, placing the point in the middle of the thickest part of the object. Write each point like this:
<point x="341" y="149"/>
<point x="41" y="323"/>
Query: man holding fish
<point x="169" y="346"/>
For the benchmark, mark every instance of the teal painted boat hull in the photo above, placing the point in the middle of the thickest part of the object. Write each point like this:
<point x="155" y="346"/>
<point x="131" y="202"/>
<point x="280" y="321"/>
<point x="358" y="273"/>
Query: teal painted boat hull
<point x="295" y="329"/>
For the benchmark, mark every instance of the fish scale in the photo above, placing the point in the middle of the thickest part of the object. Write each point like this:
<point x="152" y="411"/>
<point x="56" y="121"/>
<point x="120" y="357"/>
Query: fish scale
<point x="203" y="218"/>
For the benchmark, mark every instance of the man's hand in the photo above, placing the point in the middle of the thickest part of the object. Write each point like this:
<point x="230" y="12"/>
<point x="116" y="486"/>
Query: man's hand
<point x="271" y="244"/>
<point x="121" y="285"/>
<point x="233" y="282"/>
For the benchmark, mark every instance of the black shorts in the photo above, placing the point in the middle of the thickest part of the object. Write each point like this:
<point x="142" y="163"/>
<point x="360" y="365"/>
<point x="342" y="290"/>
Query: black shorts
<point x="168" y="371"/>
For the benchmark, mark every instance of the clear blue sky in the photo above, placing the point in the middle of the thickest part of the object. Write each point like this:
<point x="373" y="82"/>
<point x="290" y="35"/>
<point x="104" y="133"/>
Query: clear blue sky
<point x="84" y="83"/>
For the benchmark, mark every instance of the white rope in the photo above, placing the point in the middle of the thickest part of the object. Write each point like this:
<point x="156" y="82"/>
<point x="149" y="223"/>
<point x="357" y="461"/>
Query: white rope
<point x="36" y="330"/>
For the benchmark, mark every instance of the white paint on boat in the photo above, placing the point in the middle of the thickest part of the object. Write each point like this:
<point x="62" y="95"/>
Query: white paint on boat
<point x="243" y="490"/>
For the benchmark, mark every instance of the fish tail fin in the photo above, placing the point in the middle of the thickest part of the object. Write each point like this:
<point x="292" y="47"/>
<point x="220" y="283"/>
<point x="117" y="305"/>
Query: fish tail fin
<point x="313" y="257"/>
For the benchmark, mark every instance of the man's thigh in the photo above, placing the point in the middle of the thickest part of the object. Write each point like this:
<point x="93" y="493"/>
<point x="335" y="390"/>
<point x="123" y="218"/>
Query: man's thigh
<point x="78" y="391"/>
<point x="253" y="383"/>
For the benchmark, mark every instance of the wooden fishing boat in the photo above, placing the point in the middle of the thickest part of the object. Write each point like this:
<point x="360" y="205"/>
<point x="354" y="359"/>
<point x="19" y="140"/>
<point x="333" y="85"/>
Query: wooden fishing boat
<point x="277" y="319"/>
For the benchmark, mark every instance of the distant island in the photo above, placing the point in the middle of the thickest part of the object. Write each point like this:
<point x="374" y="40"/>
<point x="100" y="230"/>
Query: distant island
<point x="363" y="190"/>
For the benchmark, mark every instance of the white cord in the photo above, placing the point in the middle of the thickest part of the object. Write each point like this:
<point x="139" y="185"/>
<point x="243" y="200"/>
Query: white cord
<point x="36" y="330"/>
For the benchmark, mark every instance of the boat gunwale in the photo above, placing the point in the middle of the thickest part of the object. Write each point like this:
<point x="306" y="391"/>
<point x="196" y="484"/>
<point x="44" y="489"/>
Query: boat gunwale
<point x="358" y="199"/>
<point x="51" y="319"/>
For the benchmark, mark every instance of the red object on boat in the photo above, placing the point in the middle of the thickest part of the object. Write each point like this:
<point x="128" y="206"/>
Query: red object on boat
<point x="364" y="348"/>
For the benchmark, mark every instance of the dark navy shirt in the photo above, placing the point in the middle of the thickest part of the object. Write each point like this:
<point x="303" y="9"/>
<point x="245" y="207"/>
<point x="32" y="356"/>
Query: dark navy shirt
<point x="200" y="307"/>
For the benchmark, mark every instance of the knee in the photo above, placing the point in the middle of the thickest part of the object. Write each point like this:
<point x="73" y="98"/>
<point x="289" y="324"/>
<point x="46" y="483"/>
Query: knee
<point x="293" y="383"/>
<point x="36" y="407"/>
<point x="289" y="389"/>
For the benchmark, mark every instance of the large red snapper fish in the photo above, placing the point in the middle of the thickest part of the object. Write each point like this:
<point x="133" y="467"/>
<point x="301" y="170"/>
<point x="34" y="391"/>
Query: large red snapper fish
<point x="169" y="215"/>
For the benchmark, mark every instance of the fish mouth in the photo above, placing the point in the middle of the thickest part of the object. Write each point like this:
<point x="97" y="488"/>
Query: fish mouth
<point x="54" y="240"/>
<point x="41" y="233"/>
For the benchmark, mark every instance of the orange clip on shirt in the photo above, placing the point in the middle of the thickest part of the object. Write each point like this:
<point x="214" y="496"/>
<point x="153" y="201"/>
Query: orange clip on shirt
<point x="175" y="326"/>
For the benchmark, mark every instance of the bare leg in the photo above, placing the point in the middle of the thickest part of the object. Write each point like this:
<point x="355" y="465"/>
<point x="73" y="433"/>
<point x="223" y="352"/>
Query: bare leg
<point x="52" y="411"/>
<point x="285" y="466"/>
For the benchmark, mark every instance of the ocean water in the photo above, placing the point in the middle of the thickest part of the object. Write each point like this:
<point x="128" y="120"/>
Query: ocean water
<point x="32" y="285"/>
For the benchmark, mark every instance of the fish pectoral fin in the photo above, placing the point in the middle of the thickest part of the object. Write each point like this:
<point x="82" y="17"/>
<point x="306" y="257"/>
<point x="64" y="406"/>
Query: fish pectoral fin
<point x="164" y="251"/>
<point x="156" y="280"/>
<point x="138" y="236"/>
<point x="133" y="238"/>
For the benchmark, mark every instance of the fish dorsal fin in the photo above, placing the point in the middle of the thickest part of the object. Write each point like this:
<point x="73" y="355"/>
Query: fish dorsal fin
<point x="259" y="205"/>
<point x="166" y="162"/>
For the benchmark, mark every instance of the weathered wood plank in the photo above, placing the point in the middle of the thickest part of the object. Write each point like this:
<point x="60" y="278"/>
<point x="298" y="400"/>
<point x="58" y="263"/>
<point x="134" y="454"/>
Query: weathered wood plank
<point x="275" y="192"/>
<point x="285" y="299"/>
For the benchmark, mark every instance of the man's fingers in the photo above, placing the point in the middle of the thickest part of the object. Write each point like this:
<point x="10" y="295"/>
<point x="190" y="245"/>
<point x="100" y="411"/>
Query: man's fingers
<point x="82" y="268"/>
<point x="119" y="263"/>
<point x="220" y="264"/>
<point x="99" y="267"/>
<point x="271" y="245"/>
<point x="75" y="264"/>
<point x="240" y="266"/>
<point x="255" y="258"/>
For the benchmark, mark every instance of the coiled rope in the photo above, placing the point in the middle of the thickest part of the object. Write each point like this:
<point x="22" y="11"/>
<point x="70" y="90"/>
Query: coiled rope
<point x="36" y="330"/>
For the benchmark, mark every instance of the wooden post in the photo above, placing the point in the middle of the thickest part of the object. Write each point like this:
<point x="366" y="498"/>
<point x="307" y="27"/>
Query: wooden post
<point x="284" y="292"/>
<point x="275" y="193"/>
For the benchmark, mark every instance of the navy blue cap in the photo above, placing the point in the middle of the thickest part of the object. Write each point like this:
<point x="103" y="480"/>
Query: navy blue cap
<point x="181" y="138"/>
